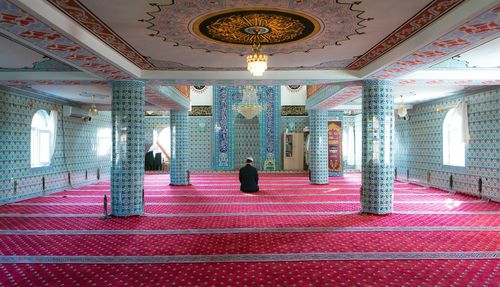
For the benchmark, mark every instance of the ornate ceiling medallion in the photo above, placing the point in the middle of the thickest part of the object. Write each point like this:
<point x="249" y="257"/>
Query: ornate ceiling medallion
<point x="294" y="88"/>
<point x="238" y="26"/>
<point x="199" y="89"/>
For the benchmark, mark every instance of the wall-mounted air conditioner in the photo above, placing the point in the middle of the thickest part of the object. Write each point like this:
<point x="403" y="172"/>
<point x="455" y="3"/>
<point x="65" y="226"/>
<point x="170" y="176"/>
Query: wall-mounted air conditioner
<point x="69" y="111"/>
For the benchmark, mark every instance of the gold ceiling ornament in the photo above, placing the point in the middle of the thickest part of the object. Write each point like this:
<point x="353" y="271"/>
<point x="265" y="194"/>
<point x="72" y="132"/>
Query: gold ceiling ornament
<point x="237" y="26"/>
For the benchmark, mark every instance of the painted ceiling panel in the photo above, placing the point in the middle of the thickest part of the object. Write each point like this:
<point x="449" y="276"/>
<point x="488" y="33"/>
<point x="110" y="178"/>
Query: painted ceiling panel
<point x="345" y="31"/>
<point x="79" y="93"/>
<point x="484" y="56"/>
<point x="17" y="56"/>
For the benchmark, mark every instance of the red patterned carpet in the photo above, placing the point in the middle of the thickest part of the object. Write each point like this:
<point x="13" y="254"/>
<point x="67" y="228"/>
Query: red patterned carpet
<point x="288" y="234"/>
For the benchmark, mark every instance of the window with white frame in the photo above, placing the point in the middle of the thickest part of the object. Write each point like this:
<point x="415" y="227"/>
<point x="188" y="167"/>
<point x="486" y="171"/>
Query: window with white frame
<point x="348" y="145"/>
<point x="40" y="139"/>
<point x="453" y="145"/>
<point x="104" y="142"/>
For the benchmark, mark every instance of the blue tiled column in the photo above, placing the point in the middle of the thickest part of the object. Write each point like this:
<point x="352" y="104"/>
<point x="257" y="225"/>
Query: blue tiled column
<point x="377" y="194"/>
<point x="318" y="121"/>
<point x="179" y="135"/>
<point x="127" y="168"/>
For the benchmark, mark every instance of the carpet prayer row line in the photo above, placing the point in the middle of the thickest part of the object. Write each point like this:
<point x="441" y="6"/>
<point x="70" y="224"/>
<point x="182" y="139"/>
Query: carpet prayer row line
<point x="290" y="233"/>
<point x="248" y="243"/>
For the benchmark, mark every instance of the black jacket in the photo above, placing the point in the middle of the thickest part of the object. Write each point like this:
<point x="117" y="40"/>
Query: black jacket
<point x="249" y="178"/>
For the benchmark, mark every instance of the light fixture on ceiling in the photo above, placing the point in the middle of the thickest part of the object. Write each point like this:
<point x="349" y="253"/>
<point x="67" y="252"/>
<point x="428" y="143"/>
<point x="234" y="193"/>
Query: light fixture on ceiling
<point x="257" y="62"/>
<point x="93" y="111"/>
<point x="249" y="106"/>
<point x="402" y="111"/>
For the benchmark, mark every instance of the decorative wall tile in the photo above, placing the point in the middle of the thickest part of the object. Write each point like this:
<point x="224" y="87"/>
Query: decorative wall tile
<point x="246" y="141"/>
<point x="377" y="192"/>
<point x="200" y="142"/>
<point x="294" y="124"/>
<point x="318" y="119"/>
<point x="224" y="116"/>
<point x="154" y="123"/>
<point x="179" y="140"/>
<point x="75" y="151"/>
<point x="418" y="145"/>
<point x="127" y="169"/>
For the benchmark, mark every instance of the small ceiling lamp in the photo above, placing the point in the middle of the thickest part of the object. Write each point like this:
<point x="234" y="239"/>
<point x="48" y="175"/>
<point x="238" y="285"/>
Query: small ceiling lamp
<point x="257" y="62"/>
<point x="402" y="111"/>
<point x="93" y="111"/>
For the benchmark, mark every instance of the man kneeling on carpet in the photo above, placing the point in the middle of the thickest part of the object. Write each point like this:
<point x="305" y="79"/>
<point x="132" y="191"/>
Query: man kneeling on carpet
<point x="249" y="178"/>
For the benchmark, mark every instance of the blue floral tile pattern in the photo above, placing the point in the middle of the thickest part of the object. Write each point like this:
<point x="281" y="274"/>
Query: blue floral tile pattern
<point x="377" y="191"/>
<point x="318" y="119"/>
<point x="127" y="168"/>
<point x="419" y="141"/>
<point x="179" y="138"/>
<point x="223" y="120"/>
<point x="75" y="151"/>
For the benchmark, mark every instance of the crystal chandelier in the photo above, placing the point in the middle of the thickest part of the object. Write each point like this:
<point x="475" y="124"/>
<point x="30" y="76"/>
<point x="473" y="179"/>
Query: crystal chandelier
<point x="256" y="63"/>
<point x="249" y="106"/>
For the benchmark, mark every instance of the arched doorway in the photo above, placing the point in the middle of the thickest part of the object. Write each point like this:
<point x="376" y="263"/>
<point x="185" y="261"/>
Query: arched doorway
<point x="246" y="141"/>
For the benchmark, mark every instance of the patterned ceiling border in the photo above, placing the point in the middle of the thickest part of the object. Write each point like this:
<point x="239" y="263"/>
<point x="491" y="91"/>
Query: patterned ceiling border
<point x="215" y="82"/>
<point x="322" y="94"/>
<point x="83" y="16"/>
<point x="157" y="98"/>
<point x="183" y="90"/>
<point x="434" y="82"/>
<point x="343" y="96"/>
<point x="171" y="65"/>
<point x="51" y="82"/>
<point x="313" y="89"/>
<point x="80" y="14"/>
<point x="422" y="19"/>
<point x="475" y="30"/>
<point x="215" y="5"/>
<point x="46" y="65"/>
<point x="17" y="22"/>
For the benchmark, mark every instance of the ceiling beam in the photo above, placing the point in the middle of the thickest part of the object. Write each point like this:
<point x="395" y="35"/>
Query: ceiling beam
<point x="46" y="76"/>
<point x="59" y="21"/>
<point x="450" y="21"/>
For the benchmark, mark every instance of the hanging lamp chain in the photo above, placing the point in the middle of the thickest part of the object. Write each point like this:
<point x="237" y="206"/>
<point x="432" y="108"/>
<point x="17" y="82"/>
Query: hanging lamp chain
<point x="256" y="46"/>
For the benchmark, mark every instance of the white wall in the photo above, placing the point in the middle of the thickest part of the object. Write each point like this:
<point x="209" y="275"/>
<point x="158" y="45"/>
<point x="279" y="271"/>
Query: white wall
<point x="293" y="97"/>
<point x="201" y="98"/>
<point x="288" y="97"/>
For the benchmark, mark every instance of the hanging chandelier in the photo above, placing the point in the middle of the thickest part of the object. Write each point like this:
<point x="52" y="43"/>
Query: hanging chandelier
<point x="93" y="111"/>
<point x="257" y="62"/>
<point x="402" y="111"/>
<point x="249" y="106"/>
